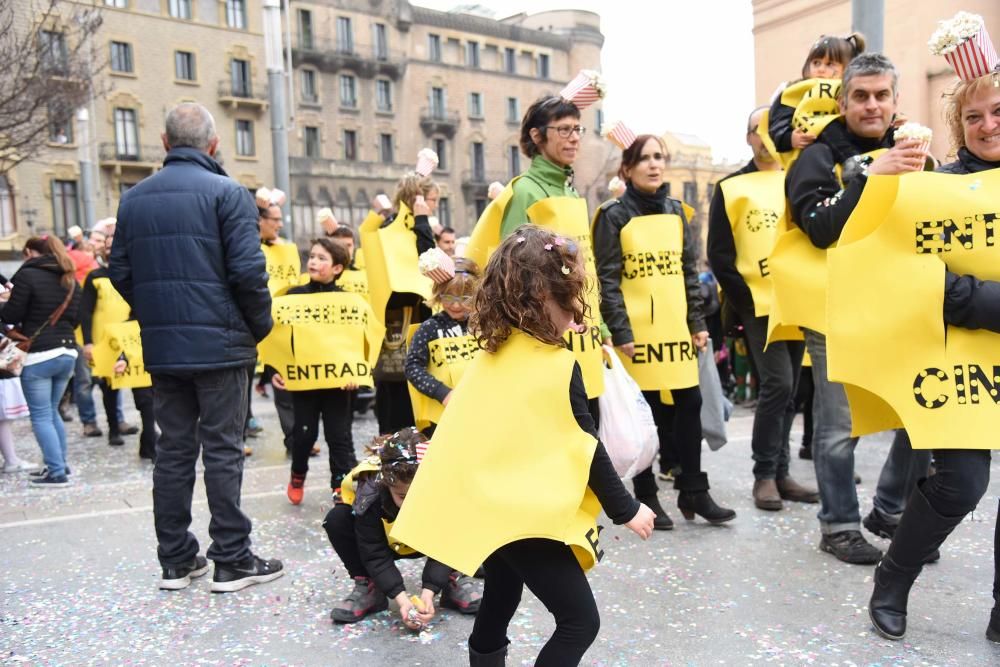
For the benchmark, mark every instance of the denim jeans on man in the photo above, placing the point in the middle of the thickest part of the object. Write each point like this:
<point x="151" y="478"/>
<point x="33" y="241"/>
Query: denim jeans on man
<point x="200" y="412"/>
<point x="43" y="385"/>
<point x="778" y="367"/>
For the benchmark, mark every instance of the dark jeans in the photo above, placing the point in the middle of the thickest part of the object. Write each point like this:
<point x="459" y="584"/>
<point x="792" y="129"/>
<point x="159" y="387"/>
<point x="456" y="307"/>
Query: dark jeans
<point x="392" y="406"/>
<point x="903" y="468"/>
<point x="339" y="526"/>
<point x="200" y="411"/>
<point x="334" y="406"/>
<point x="145" y="404"/>
<point x="110" y="397"/>
<point x="778" y="367"/>
<point x="682" y="420"/>
<point x="550" y="571"/>
<point x="286" y="415"/>
<point x="804" y="404"/>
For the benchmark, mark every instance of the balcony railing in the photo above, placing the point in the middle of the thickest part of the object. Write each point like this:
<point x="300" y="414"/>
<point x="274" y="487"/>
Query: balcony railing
<point x="476" y="182"/>
<point x="145" y="156"/>
<point x="367" y="61"/>
<point x="245" y="94"/>
<point x="436" y="120"/>
<point x="347" y="169"/>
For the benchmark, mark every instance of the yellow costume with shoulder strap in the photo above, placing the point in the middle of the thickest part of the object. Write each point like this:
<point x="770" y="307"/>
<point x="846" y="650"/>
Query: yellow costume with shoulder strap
<point x="349" y="490"/>
<point x="283" y="266"/>
<point x="391" y="259"/>
<point x="565" y="216"/>
<point x="509" y="462"/>
<point x="887" y="333"/>
<point x="114" y="334"/>
<point x="323" y="341"/>
<point x="449" y="357"/>
<point x="815" y="104"/>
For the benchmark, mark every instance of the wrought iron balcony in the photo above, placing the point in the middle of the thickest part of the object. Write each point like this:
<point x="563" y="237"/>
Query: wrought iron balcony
<point x="242" y="94"/>
<point x="439" y="121"/>
<point x="367" y="61"/>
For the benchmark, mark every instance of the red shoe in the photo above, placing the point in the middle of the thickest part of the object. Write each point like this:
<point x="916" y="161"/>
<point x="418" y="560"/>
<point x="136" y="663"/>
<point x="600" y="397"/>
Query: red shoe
<point x="296" y="489"/>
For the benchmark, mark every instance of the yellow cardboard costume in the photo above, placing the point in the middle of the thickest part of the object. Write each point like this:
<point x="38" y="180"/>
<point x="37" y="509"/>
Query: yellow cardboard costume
<point x="121" y="339"/>
<point x="815" y="104"/>
<point x="283" y="266"/>
<point x="354" y="280"/>
<point x="449" y="358"/>
<point x="565" y="216"/>
<point x="391" y="258"/>
<point x="887" y="334"/>
<point x="323" y="341"/>
<point x="509" y="462"/>
<point x="349" y="490"/>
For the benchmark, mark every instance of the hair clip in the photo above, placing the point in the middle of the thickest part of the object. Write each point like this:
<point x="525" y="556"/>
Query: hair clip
<point x="520" y="239"/>
<point x="559" y="241"/>
<point x="566" y="270"/>
<point x="548" y="246"/>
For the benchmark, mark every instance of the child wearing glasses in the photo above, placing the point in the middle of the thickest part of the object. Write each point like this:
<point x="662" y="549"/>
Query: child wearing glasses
<point x="442" y="346"/>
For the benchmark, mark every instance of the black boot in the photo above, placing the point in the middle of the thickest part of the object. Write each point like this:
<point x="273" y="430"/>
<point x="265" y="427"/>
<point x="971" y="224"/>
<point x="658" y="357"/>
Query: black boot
<point x="993" y="629"/>
<point x="497" y="658"/>
<point x="921" y="531"/>
<point x="661" y="521"/>
<point x="694" y="499"/>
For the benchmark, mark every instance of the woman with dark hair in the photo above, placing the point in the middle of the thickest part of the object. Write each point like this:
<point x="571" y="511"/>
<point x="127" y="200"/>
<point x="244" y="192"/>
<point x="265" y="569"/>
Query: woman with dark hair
<point x="655" y="312"/>
<point x="44" y="304"/>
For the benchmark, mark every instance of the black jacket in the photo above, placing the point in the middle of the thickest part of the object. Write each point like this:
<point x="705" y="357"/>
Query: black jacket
<point x="418" y="356"/>
<point x="611" y="218"/>
<point x="36" y="295"/>
<point x="187" y="258"/>
<point x="969" y="302"/>
<point x="722" y="248"/>
<point x="817" y="202"/>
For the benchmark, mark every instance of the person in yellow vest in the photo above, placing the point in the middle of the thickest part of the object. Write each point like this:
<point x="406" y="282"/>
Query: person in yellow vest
<point x="326" y="262"/>
<point x="516" y="462"/>
<point x="823" y="187"/>
<point x="358" y="528"/>
<point x="651" y="300"/>
<point x="101" y="305"/>
<point x="442" y="347"/>
<point x="940" y="503"/>
<point x="742" y="229"/>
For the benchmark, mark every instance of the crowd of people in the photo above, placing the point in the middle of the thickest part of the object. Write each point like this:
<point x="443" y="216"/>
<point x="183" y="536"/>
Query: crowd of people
<point x="499" y="339"/>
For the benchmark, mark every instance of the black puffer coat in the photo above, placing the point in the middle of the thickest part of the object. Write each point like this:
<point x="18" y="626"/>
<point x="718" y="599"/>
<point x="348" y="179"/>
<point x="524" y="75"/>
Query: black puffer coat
<point x="36" y="295"/>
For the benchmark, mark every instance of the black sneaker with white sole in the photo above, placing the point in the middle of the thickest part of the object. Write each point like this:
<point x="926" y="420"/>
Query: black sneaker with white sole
<point x="48" y="482"/>
<point x="231" y="577"/>
<point x="176" y="577"/>
<point x="44" y="472"/>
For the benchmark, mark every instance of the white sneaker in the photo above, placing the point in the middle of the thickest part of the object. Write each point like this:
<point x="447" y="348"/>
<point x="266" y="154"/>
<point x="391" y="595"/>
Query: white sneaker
<point x="20" y="466"/>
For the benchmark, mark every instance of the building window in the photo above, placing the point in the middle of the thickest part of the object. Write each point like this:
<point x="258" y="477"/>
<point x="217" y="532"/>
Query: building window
<point x="510" y="61"/>
<point x="121" y="57"/>
<point x="600" y="121"/>
<point x="441" y="148"/>
<point x="383" y="94"/>
<point x="120" y="4"/>
<point x="515" y="161"/>
<point x="434" y="48"/>
<point x="60" y="125"/>
<point x="385" y="148"/>
<point x="311" y="137"/>
<point x="480" y="207"/>
<point x="244" y="137"/>
<point x="179" y="9"/>
<point x="381" y="42"/>
<point x="472" y="54"/>
<point x="65" y="206"/>
<point x="513" y="110"/>
<point x="350" y="145"/>
<point x="348" y="91"/>
<point x="126" y="134"/>
<point x="240" y="70"/>
<point x="8" y="221"/>
<point x="437" y="102"/>
<point x="543" y="66"/>
<point x="236" y="14"/>
<point x="690" y="192"/>
<point x="444" y="212"/>
<point x="184" y="67"/>
<point x="345" y="35"/>
<point x="478" y="162"/>
<point x="476" y="105"/>
<point x="309" y="86"/>
<point x="52" y="51"/>
<point x="305" y="29"/>
<point x="709" y="191"/>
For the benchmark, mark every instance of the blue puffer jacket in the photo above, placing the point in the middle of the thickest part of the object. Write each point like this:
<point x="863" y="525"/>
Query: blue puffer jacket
<point x="186" y="256"/>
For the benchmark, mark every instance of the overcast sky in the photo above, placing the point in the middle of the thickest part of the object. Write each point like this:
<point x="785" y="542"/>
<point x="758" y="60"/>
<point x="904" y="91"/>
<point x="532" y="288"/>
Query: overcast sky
<point x="673" y="65"/>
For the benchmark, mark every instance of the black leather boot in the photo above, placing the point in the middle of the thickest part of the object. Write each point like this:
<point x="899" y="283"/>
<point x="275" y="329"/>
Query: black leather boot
<point x="920" y="532"/>
<point x="497" y="658"/>
<point x="993" y="629"/>
<point x="694" y="499"/>
<point x="661" y="521"/>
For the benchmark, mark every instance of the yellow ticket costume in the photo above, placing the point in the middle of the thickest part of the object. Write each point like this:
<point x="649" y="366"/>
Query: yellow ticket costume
<point x="815" y="104"/>
<point x="283" y="266"/>
<point x="323" y="341"/>
<point x="565" y="216"/>
<point x="391" y="259"/>
<point x="887" y="334"/>
<point x="348" y="492"/>
<point x="509" y="462"/>
<point x="121" y="339"/>
<point x="449" y="358"/>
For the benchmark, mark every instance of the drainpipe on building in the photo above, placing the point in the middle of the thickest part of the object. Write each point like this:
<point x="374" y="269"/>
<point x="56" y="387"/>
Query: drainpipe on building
<point x="276" y="95"/>
<point x="868" y="17"/>
<point x="87" y="193"/>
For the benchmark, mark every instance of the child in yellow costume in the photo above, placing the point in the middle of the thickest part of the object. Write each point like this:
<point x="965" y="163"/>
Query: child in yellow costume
<point x="442" y="347"/>
<point x="516" y="461"/>
<point x="358" y="528"/>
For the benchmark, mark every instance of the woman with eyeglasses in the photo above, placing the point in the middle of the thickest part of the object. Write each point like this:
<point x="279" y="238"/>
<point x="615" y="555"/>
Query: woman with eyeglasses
<point x="442" y="346"/>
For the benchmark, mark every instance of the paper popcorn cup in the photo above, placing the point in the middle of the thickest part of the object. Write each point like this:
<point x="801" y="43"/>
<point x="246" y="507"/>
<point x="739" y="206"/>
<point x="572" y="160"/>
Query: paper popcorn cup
<point x="583" y="90"/>
<point x="436" y="265"/>
<point x="973" y="58"/>
<point x="621" y="135"/>
<point x="496" y="187"/>
<point x="427" y="161"/>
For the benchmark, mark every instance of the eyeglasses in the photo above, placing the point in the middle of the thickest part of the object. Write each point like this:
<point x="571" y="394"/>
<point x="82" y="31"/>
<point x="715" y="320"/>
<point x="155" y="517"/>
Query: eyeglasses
<point x="455" y="300"/>
<point x="565" y="131"/>
<point x="278" y="219"/>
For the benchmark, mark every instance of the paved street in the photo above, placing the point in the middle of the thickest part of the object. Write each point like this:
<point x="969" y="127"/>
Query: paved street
<point x="80" y="573"/>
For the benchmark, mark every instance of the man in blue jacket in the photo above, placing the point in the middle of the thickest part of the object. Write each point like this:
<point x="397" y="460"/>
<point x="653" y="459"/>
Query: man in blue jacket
<point x="187" y="258"/>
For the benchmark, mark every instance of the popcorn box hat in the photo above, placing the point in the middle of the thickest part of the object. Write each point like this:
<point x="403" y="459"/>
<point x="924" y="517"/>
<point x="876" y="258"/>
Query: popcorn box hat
<point x="427" y="161"/>
<point x="620" y="135"/>
<point x="585" y="89"/>
<point x="965" y="44"/>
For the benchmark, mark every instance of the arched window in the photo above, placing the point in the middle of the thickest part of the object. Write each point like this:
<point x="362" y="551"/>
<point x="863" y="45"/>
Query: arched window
<point x="8" y="220"/>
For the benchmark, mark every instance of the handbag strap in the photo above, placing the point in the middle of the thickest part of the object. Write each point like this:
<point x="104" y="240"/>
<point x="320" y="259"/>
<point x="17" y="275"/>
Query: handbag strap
<point x="56" y="314"/>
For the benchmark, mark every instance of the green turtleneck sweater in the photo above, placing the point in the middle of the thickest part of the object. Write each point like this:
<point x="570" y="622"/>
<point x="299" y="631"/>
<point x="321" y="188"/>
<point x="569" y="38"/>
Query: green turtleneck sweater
<point x="543" y="179"/>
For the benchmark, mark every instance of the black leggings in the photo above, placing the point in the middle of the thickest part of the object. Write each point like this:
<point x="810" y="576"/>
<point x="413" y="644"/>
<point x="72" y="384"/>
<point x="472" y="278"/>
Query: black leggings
<point x="550" y="571"/>
<point x="339" y="526"/>
<point x="334" y="406"/>
<point x="679" y="429"/>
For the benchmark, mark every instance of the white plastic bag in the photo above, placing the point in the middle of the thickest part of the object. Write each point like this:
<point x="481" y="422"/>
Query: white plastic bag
<point x="627" y="428"/>
<point x="715" y="407"/>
